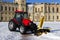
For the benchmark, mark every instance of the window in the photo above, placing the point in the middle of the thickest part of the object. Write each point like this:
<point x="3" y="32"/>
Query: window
<point x="1" y="18"/>
<point x="57" y="17"/>
<point x="9" y="18"/>
<point x="35" y="9"/>
<point x="12" y="13"/>
<point x="9" y="13"/>
<point x="16" y="8"/>
<point x="30" y="9"/>
<point x="25" y="16"/>
<point x="23" y="1"/>
<point x="23" y="9"/>
<point x="18" y="16"/>
<point x="38" y="10"/>
<point x="49" y="9"/>
<point x="41" y="9"/>
<point x="46" y="18"/>
<point x="57" y="9"/>
<point x="1" y="8"/>
<point x="12" y="8"/>
<point x="49" y="18"/>
<point x="5" y="18"/>
<point x="53" y="17"/>
<point x="6" y="13"/>
<point x="45" y="9"/>
<point x="53" y="9"/>
<point x="9" y="8"/>
<point x="5" y="8"/>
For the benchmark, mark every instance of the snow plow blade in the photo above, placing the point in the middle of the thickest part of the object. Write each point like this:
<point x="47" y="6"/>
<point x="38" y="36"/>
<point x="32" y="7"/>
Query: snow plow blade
<point x="41" y="31"/>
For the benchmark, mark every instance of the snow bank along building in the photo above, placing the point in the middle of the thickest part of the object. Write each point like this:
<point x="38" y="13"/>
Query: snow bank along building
<point x="51" y="11"/>
<point x="7" y="9"/>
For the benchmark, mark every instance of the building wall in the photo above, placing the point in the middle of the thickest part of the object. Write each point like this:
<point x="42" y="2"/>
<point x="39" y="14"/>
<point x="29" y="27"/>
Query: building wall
<point x="7" y="11"/>
<point x="51" y="11"/>
<point x="30" y="11"/>
<point x="21" y="4"/>
<point x="38" y="10"/>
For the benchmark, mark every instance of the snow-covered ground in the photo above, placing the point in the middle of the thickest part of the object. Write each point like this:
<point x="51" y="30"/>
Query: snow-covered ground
<point x="5" y="34"/>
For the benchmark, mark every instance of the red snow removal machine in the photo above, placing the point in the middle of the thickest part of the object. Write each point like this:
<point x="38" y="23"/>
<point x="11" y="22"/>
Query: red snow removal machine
<point x="26" y="26"/>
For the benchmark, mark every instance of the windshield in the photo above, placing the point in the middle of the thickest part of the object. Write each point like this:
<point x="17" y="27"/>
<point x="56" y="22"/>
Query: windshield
<point x="21" y="15"/>
<point x="17" y="15"/>
<point x="25" y="15"/>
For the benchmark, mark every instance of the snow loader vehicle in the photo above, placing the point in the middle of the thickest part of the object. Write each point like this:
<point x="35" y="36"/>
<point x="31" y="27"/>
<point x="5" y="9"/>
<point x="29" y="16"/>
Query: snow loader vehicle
<point x="25" y="26"/>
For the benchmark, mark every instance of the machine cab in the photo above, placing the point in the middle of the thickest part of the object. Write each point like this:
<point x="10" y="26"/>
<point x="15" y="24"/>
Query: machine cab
<point x="20" y="14"/>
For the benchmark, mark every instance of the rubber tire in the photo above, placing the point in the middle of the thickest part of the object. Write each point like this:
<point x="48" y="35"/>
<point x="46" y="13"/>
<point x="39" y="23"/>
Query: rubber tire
<point x="22" y="29"/>
<point x="13" y="26"/>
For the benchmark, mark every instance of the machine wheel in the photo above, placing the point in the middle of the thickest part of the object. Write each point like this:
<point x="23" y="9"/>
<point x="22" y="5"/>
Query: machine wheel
<point x="22" y="29"/>
<point x="11" y="26"/>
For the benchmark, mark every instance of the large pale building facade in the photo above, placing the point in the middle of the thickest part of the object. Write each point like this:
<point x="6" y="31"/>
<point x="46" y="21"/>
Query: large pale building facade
<point x="21" y="4"/>
<point x="50" y="11"/>
<point x="7" y="9"/>
<point x="30" y="11"/>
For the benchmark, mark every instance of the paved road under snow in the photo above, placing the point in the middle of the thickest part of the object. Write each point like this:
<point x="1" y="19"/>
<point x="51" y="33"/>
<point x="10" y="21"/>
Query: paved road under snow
<point x="5" y="34"/>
